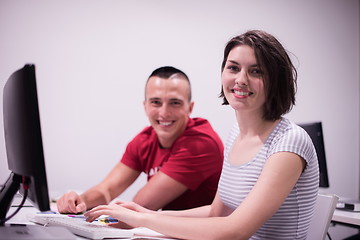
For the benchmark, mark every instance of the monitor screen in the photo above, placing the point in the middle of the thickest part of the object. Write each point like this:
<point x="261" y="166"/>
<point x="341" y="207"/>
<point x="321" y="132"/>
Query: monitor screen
<point x="23" y="141"/>
<point x="316" y="134"/>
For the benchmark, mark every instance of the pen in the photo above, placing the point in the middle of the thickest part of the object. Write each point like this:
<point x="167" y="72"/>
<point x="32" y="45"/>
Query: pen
<point x="108" y="220"/>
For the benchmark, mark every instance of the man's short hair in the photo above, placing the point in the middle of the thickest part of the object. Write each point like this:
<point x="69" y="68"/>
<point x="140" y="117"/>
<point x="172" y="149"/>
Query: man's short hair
<point x="168" y="72"/>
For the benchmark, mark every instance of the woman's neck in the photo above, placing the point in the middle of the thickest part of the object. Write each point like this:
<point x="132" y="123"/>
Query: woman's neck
<point x="251" y="125"/>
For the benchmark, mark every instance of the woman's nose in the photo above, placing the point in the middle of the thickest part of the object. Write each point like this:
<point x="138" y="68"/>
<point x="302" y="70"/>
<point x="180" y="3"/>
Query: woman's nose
<point x="242" y="79"/>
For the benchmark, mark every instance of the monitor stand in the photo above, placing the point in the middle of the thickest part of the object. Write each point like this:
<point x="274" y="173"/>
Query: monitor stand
<point x="34" y="232"/>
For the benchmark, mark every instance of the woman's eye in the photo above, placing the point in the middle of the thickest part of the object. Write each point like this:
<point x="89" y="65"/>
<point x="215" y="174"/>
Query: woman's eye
<point x="256" y="72"/>
<point x="233" y="68"/>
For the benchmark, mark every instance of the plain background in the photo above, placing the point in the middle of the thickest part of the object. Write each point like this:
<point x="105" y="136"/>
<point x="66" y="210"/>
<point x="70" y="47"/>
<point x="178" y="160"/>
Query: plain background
<point x="93" y="58"/>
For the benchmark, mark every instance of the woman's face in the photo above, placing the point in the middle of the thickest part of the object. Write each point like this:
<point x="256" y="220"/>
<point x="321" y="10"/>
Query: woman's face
<point x="242" y="80"/>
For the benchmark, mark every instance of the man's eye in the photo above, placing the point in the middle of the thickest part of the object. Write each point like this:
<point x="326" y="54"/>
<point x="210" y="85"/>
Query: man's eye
<point x="176" y="103"/>
<point x="155" y="102"/>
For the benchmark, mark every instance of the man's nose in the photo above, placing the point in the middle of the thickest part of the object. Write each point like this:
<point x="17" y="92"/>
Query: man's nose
<point x="164" y="110"/>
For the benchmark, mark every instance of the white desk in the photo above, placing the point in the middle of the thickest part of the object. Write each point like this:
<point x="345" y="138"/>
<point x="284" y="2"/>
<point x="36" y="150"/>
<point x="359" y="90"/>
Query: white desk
<point x="22" y="217"/>
<point x="341" y="217"/>
<point x="347" y="217"/>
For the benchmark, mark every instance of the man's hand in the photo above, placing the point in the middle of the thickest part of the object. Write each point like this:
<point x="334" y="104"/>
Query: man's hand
<point x="71" y="203"/>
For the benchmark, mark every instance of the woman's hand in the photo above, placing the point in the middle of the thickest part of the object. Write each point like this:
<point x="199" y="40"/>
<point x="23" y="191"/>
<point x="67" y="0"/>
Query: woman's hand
<point x="125" y="216"/>
<point x="134" y="206"/>
<point x="113" y="210"/>
<point x="120" y="225"/>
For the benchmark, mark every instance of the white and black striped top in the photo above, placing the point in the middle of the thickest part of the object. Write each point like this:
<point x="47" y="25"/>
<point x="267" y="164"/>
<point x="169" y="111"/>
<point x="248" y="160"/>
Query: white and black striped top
<point x="292" y="219"/>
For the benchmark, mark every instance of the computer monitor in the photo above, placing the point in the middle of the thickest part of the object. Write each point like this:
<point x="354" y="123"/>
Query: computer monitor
<point x="23" y="142"/>
<point x="315" y="132"/>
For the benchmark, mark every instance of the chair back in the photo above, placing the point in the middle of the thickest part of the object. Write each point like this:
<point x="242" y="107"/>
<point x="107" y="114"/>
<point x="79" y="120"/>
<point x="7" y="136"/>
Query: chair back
<point x="323" y="212"/>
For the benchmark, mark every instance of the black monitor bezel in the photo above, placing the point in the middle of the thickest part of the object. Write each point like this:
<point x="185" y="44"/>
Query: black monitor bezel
<point x="315" y="131"/>
<point x="23" y="139"/>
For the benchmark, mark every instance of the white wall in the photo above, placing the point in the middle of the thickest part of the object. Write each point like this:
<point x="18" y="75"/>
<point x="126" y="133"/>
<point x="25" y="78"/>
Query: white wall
<point x="93" y="58"/>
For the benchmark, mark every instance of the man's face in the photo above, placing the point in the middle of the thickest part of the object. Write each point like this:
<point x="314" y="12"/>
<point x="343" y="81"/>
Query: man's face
<point x="168" y="107"/>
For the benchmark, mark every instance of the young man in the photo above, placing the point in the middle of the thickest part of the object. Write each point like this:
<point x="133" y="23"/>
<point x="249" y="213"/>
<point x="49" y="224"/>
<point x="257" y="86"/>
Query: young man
<point x="181" y="156"/>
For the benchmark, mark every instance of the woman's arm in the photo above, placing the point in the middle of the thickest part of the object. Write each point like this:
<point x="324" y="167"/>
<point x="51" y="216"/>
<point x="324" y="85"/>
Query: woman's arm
<point x="217" y="208"/>
<point x="277" y="179"/>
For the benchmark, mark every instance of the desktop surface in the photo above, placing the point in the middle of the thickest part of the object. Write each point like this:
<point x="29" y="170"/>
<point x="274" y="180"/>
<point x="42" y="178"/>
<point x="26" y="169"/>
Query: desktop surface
<point x="347" y="217"/>
<point x="340" y="216"/>
<point x="22" y="218"/>
<point x="34" y="232"/>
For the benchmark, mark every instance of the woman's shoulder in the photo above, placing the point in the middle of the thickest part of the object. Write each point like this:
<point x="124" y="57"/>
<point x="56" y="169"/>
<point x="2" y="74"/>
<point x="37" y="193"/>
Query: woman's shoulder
<point x="287" y="134"/>
<point x="287" y="128"/>
<point x="291" y="137"/>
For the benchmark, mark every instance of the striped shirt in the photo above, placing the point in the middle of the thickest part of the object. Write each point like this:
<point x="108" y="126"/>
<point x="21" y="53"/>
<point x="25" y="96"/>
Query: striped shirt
<point x="292" y="219"/>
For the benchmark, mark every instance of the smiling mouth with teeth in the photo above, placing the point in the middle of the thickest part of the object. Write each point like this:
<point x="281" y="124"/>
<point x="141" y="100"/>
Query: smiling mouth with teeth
<point x="165" y="124"/>
<point x="241" y="93"/>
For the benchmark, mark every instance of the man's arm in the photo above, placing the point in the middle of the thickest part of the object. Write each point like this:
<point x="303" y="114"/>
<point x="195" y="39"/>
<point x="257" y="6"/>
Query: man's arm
<point x="181" y="171"/>
<point x="117" y="181"/>
<point x="159" y="191"/>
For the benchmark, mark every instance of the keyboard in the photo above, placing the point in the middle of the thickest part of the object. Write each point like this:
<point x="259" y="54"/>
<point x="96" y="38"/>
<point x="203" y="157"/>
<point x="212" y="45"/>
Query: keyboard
<point x="78" y="226"/>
